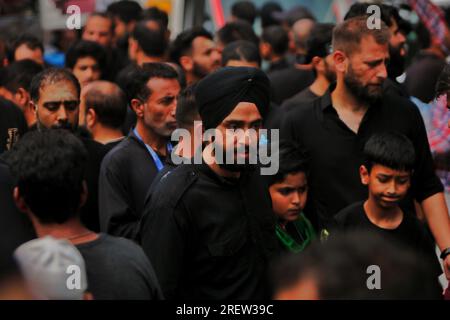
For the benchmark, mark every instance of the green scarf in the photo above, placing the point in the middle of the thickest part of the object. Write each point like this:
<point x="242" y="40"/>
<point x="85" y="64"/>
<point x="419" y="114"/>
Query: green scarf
<point x="304" y="228"/>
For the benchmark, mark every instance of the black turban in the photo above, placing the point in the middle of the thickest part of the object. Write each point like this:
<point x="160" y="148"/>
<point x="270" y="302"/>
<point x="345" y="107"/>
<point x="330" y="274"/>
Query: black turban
<point x="220" y="92"/>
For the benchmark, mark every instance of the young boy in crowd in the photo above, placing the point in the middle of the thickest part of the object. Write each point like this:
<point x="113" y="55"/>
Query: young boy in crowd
<point x="387" y="172"/>
<point x="289" y="191"/>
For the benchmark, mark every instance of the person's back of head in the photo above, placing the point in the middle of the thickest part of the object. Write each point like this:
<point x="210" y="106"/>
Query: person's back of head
<point x="301" y="30"/>
<point x="182" y="45"/>
<point x="30" y="45"/>
<point x="244" y="10"/>
<point x="389" y="149"/>
<point x="266" y="13"/>
<point x="187" y="111"/>
<point x="234" y="31"/>
<point x="156" y="14"/>
<point x="151" y="41"/>
<point x="19" y="75"/>
<point x="108" y="103"/>
<point x="346" y="267"/>
<point x="126" y="10"/>
<point x="47" y="265"/>
<point x="49" y="167"/>
<point x="277" y="38"/>
<point x="241" y="53"/>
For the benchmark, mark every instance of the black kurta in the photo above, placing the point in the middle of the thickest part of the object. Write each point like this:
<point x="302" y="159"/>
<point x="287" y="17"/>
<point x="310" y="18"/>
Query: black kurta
<point x="209" y="237"/>
<point x="126" y="174"/>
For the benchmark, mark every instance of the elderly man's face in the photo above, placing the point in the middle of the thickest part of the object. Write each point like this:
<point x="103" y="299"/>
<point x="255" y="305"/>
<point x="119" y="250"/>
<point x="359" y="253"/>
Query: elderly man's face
<point x="98" y="29"/>
<point x="58" y="106"/>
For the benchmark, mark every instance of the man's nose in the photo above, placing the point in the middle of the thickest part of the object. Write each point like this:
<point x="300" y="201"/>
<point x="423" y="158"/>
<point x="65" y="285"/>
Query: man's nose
<point x="382" y="71"/>
<point x="62" y="114"/>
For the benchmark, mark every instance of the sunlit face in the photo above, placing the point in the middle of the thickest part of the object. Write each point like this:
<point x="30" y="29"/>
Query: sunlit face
<point x="58" y="106"/>
<point x="86" y="70"/>
<point x="205" y="56"/>
<point x="158" y="112"/>
<point x="98" y="29"/>
<point x="387" y="187"/>
<point x="240" y="132"/>
<point x="366" y="70"/>
<point x="289" y="196"/>
<point x="23" y="52"/>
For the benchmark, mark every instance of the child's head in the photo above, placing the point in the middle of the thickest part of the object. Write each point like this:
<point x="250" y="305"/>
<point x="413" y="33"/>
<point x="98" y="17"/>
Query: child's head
<point x="289" y="188"/>
<point x="388" y="167"/>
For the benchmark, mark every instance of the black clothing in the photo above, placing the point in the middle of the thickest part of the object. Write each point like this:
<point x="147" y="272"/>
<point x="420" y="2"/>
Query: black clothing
<point x="117" y="269"/>
<point x="337" y="152"/>
<point x="300" y="98"/>
<point x="422" y="76"/>
<point x="125" y="176"/>
<point x="218" y="235"/>
<point x="393" y="87"/>
<point x="278" y="65"/>
<point x="12" y="124"/>
<point x="409" y="233"/>
<point x="287" y="82"/>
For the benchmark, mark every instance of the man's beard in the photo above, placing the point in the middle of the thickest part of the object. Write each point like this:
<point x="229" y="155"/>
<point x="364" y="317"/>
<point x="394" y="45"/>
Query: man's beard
<point x="235" y="166"/>
<point x="362" y="92"/>
<point x="330" y="75"/>
<point x="199" y="71"/>
<point x="396" y="65"/>
<point x="64" y="125"/>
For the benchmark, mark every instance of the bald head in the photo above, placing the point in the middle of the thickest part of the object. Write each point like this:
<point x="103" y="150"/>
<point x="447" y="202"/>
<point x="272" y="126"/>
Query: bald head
<point x="107" y="101"/>
<point x="301" y="31"/>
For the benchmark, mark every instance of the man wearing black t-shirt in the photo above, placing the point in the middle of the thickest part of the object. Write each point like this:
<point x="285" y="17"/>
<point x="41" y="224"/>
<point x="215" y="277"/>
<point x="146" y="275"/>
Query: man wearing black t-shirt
<point x="335" y="127"/>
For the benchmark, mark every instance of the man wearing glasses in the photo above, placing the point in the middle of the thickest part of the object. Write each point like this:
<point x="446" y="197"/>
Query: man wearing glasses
<point x="55" y="98"/>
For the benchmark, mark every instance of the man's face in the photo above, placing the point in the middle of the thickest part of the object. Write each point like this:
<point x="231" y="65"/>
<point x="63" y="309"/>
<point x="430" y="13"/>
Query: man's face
<point x="159" y="109"/>
<point x="205" y="56"/>
<point x="366" y="71"/>
<point x="23" y="52"/>
<point x="240" y="132"/>
<point x="86" y="70"/>
<point x="98" y="29"/>
<point x="386" y="186"/>
<point x="289" y="196"/>
<point x="397" y="51"/>
<point x="58" y="106"/>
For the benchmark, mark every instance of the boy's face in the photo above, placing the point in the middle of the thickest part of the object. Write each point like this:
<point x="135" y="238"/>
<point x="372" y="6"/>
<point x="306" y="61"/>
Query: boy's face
<point x="289" y="196"/>
<point x="386" y="186"/>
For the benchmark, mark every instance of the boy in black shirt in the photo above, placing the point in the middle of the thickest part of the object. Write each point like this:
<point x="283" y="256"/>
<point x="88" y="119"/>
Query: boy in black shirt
<point x="387" y="171"/>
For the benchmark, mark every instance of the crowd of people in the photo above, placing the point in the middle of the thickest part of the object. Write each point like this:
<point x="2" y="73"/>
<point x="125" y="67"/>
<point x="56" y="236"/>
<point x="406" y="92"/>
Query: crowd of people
<point x="94" y="206"/>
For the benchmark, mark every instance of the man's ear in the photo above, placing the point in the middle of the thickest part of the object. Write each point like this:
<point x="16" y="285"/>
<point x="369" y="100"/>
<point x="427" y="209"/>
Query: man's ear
<point x="22" y="97"/>
<point x="187" y="63"/>
<point x="340" y="61"/>
<point x="317" y="63"/>
<point x="265" y="50"/>
<point x="138" y="107"/>
<point x="20" y="202"/>
<point x="91" y="118"/>
<point x="364" y="174"/>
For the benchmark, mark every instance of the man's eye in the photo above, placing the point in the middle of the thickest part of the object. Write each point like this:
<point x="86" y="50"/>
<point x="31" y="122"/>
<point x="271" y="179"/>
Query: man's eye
<point x="383" y="179"/>
<point x="51" y="106"/>
<point x="71" y="105"/>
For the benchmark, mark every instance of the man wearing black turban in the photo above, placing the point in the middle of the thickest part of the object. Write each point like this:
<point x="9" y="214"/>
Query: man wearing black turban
<point x="210" y="231"/>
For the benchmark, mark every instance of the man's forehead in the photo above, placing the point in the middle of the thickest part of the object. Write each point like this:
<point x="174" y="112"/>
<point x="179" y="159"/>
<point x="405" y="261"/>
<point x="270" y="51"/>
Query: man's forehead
<point x="161" y="85"/>
<point x="98" y="22"/>
<point x="58" y="89"/>
<point x="202" y="43"/>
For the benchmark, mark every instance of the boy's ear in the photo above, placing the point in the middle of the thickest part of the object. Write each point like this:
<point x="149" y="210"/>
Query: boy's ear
<point x="364" y="174"/>
<point x="18" y="199"/>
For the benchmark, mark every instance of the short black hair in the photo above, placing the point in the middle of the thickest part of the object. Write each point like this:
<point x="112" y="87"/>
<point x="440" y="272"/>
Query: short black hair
<point x="152" y="42"/>
<point x="156" y="14"/>
<point x="186" y="111"/>
<point x="443" y="83"/>
<point x="277" y="38"/>
<point x="27" y="39"/>
<point x="244" y="10"/>
<point x="84" y="48"/>
<point x="266" y="14"/>
<point x="339" y="268"/>
<point x="241" y="50"/>
<point x="19" y="74"/>
<point x="110" y="108"/>
<point x="51" y="75"/>
<point x="125" y="10"/>
<point x="238" y="30"/>
<point x="183" y="42"/>
<point x="318" y="43"/>
<point x="390" y="149"/>
<point x="49" y="167"/>
<point x="292" y="159"/>
<point x="135" y="81"/>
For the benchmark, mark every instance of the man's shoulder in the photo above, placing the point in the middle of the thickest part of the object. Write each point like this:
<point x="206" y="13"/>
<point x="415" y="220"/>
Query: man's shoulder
<point x="126" y="151"/>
